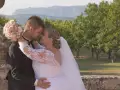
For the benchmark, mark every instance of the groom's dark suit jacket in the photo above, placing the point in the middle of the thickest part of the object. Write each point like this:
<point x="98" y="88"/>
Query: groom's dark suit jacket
<point x="21" y="77"/>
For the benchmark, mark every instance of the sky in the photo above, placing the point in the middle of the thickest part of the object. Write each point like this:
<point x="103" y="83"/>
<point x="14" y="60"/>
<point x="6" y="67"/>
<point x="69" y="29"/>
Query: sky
<point x="12" y="5"/>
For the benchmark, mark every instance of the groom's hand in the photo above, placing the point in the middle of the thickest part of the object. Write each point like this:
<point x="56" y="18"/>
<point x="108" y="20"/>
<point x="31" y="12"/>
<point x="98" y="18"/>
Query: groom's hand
<point x="43" y="83"/>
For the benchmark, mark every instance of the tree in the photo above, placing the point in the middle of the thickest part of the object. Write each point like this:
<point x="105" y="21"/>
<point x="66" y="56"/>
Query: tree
<point x="77" y="32"/>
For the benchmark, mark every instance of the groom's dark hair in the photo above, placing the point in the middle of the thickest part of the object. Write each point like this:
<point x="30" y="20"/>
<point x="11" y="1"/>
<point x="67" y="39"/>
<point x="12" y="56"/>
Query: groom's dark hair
<point x="35" y="22"/>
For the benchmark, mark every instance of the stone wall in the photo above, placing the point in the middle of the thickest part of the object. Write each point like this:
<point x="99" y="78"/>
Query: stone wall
<point x="101" y="82"/>
<point x="91" y="83"/>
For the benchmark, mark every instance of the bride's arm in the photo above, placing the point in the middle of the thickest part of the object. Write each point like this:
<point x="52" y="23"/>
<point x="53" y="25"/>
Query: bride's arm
<point x="41" y="55"/>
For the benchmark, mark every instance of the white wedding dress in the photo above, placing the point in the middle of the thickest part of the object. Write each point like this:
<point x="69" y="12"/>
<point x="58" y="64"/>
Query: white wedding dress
<point x="62" y="77"/>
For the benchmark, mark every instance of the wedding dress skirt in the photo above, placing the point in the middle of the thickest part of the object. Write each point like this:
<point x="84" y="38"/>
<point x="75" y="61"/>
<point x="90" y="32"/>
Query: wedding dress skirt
<point x="53" y="74"/>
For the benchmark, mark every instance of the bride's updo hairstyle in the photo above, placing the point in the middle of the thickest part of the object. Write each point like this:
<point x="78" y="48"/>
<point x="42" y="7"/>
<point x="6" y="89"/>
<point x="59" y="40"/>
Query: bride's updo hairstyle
<point x="12" y="30"/>
<point x="55" y="36"/>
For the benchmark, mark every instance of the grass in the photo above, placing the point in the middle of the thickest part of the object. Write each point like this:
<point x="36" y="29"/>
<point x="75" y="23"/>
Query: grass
<point x="98" y="67"/>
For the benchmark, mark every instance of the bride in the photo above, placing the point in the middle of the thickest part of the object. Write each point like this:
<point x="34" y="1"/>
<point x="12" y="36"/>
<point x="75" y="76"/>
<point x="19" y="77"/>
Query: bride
<point x="54" y="61"/>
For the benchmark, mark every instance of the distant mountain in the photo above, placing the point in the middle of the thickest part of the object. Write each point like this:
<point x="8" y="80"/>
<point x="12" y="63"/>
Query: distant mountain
<point x="54" y="12"/>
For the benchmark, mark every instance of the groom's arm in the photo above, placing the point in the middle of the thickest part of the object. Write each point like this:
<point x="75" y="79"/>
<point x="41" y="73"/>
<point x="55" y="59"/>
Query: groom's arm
<point x="14" y="62"/>
<point x="28" y="80"/>
<point x="21" y="77"/>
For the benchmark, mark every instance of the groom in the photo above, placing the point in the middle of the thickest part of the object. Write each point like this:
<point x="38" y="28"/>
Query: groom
<point x="21" y="76"/>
